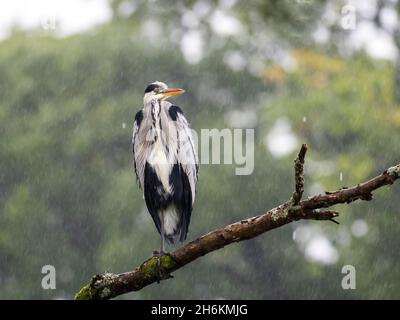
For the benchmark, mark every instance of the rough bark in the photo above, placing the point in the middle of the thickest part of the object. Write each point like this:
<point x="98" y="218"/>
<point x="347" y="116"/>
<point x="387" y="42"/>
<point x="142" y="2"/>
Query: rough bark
<point x="109" y="285"/>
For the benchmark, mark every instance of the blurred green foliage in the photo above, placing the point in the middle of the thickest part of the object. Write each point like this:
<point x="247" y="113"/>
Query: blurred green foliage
<point x="68" y="195"/>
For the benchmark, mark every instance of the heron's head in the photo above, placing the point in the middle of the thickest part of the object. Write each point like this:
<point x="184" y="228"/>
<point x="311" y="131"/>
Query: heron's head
<point x="159" y="91"/>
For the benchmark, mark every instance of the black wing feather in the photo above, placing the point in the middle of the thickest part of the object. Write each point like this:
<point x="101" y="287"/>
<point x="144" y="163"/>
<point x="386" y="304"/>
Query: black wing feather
<point x="174" y="111"/>
<point x="182" y="198"/>
<point x="186" y="206"/>
<point x="152" y="195"/>
<point x="138" y="121"/>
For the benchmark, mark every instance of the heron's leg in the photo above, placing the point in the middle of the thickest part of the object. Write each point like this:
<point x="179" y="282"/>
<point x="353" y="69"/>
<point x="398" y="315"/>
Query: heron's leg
<point x="162" y="245"/>
<point x="162" y="236"/>
<point x="161" y="252"/>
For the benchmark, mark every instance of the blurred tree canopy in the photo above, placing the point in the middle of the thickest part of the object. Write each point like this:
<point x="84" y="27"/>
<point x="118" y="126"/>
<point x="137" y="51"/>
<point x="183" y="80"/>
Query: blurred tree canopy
<point x="67" y="187"/>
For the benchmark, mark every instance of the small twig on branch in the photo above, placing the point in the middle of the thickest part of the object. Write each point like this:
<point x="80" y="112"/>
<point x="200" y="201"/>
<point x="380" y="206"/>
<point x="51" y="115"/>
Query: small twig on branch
<point x="110" y="285"/>
<point x="300" y="214"/>
<point x="299" y="175"/>
<point x="334" y="221"/>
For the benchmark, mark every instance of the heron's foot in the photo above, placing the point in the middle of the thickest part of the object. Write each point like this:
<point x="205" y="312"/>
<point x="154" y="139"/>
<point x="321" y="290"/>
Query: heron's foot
<point x="161" y="274"/>
<point x="148" y="259"/>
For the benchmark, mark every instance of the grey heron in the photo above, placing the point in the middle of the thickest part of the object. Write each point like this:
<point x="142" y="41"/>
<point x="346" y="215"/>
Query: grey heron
<point x="165" y="162"/>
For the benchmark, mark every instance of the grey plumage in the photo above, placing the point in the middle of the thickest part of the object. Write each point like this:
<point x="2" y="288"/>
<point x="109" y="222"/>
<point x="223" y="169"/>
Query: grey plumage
<point x="165" y="162"/>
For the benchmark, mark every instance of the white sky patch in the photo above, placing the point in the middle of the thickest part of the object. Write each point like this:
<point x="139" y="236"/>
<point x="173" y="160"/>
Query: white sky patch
<point x="65" y="17"/>
<point x="315" y="245"/>
<point x="235" y="60"/>
<point x="227" y="4"/>
<point x="256" y="67"/>
<point x="331" y="14"/>
<point x="202" y="8"/>
<point x="389" y="18"/>
<point x="281" y="141"/>
<point x="320" y="168"/>
<point x="190" y="20"/>
<point x="224" y="24"/>
<point x="343" y="236"/>
<point x="359" y="228"/>
<point x="71" y="16"/>
<point x="287" y="62"/>
<point x="302" y="234"/>
<point x="321" y="34"/>
<point x="241" y="119"/>
<point x="151" y="29"/>
<point x="315" y="188"/>
<point x="378" y="43"/>
<point x="192" y="46"/>
<point x="126" y="8"/>
<point x="320" y="249"/>
<point x="366" y="8"/>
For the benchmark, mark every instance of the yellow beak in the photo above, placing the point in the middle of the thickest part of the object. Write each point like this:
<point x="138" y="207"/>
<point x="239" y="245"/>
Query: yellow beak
<point x="172" y="92"/>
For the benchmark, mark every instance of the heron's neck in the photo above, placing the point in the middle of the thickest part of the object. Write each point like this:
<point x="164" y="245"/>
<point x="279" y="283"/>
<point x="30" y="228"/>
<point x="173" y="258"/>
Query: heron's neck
<point x="155" y="112"/>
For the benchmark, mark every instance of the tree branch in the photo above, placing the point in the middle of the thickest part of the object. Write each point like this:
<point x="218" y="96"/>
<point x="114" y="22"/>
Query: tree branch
<point x="109" y="285"/>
